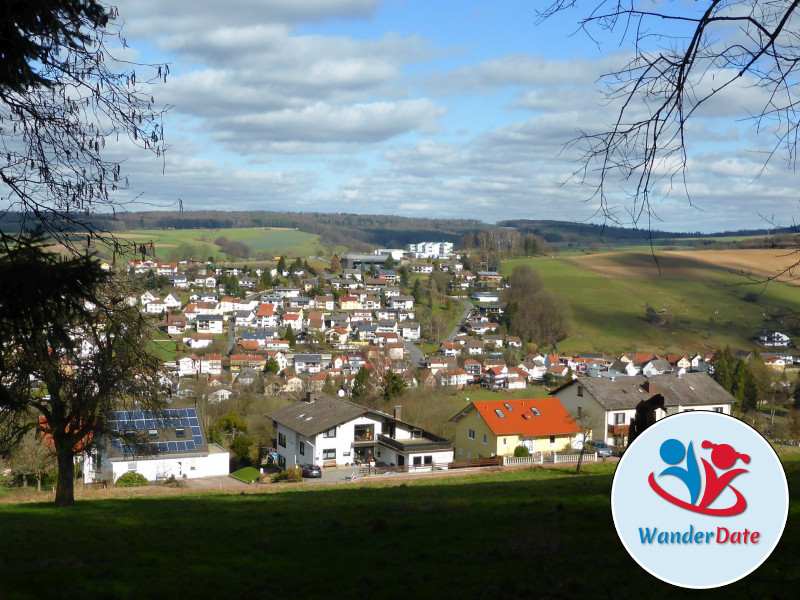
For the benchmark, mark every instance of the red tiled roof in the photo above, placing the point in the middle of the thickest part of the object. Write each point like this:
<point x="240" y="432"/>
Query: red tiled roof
<point x="553" y="418"/>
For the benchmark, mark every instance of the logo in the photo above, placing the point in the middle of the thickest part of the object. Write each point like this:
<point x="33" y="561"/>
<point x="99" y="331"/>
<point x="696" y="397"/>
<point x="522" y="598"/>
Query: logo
<point x="723" y="457"/>
<point x="699" y="499"/>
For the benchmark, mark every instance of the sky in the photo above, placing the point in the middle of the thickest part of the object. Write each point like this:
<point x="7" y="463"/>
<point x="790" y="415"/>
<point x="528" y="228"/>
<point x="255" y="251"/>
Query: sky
<point x="421" y="108"/>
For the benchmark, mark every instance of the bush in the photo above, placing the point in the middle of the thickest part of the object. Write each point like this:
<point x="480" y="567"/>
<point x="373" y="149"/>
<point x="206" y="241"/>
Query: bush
<point x="132" y="479"/>
<point x="521" y="452"/>
<point x="293" y="474"/>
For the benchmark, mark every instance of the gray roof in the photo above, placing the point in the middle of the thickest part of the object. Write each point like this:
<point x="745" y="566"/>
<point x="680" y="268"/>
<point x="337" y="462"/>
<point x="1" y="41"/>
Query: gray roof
<point x="312" y="418"/>
<point x="624" y="393"/>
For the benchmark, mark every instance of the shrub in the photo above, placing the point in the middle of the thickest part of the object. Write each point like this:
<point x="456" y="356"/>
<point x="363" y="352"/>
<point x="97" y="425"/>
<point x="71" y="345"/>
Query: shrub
<point x="292" y="475"/>
<point x="131" y="479"/>
<point x="521" y="452"/>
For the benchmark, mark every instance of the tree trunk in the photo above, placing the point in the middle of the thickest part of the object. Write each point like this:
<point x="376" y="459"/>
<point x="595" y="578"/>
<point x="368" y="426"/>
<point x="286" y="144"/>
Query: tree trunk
<point x="65" y="487"/>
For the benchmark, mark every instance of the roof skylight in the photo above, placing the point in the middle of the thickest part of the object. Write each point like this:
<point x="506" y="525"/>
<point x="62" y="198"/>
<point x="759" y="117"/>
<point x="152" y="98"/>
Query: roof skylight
<point x="535" y="411"/>
<point x="499" y="413"/>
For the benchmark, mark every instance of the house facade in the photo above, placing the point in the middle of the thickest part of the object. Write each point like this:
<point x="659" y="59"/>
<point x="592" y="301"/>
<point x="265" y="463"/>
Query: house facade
<point x="607" y="404"/>
<point x="331" y="431"/>
<point x="157" y="444"/>
<point x="495" y="428"/>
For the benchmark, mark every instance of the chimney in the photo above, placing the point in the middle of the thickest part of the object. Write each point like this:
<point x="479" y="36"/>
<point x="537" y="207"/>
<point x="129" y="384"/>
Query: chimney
<point x="649" y="387"/>
<point x="398" y="411"/>
<point x="309" y="396"/>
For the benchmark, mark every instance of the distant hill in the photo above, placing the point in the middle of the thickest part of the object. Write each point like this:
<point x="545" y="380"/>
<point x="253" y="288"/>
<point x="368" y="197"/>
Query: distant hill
<point x="365" y="231"/>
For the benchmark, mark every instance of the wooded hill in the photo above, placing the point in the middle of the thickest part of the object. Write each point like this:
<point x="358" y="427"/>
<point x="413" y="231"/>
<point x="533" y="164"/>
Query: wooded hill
<point x="360" y="232"/>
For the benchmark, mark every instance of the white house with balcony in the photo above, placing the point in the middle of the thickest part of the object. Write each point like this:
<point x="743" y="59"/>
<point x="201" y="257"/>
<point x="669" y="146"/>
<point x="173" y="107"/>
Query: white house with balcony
<point x="330" y="431"/>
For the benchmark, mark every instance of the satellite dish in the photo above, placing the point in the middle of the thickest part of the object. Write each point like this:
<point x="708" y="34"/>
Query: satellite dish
<point x="340" y="393"/>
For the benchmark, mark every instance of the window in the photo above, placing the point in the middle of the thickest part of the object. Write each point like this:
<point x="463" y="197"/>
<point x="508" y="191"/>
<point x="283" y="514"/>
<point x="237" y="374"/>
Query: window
<point x="180" y="433"/>
<point x="153" y="434"/>
<point x="619" y="418"/>
<point x="508" y="407"/>
<point x="330" y="433"/>
<point x="552" y="440"/>
<point x="484" y="438"/>
<point x="329" y="454"/>
<point x="428" y="460"/>
<point x="282" y="440"/>
<point x="499" y="413"/>
<point x="132" y="466"/>
<point x="417" y="460"/>
<point x="471" y="434"/>
<point x="303" y="448"/>
<point x="505" y="441"/>
<point x="536" y="412"/>
<point x="460" y="451"/>
<point x="717" y="409"/>
<point x="580" y="391"/>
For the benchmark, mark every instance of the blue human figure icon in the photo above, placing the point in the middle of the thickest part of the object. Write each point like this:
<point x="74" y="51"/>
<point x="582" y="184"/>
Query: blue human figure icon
<point x="672" y="453"/>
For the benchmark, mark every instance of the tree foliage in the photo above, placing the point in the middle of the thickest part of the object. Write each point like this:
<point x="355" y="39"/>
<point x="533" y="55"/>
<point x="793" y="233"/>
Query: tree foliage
<point x="393" y="386"/>
<point x="66" y="106"/>
<point x="73" y="350"/>
<point x="532" y="313"/>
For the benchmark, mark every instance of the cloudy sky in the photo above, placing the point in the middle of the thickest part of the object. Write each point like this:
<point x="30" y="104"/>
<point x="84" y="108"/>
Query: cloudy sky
<point x="444" y="108"/>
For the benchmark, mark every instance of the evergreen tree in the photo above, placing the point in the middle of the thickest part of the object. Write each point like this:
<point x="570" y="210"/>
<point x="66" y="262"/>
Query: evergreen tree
<point x="393" y="386"/>
<point x="281" y="265"/>
<point x="289" y="337"/>
<point x="360" y="383"/>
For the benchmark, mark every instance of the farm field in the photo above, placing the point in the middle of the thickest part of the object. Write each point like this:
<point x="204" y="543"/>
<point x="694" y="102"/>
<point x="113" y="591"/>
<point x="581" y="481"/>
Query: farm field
<point x="510" y="534"/>
<point x="266" y="242"/>
<point x="701" y="293"/>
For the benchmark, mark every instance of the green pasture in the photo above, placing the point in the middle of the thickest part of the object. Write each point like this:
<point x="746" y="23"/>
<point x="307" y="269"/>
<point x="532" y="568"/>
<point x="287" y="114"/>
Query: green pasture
<point x="704" y="305"/>
<point x="262" y="241"/>
<point x="482" y="394"/>
<point x="527" y="533"/>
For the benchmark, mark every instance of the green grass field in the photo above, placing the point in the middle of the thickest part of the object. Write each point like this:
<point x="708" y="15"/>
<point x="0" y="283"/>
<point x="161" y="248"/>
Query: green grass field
<point x="262" y="241"/>
<point x="704" y="305"/>
<point x="513" y="534"/>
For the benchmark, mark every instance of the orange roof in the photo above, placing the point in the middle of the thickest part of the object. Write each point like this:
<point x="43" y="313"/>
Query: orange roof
<point x="553" y="418"/>
<point x="247" y="344"/>
<point x="266" y="310"/>
<point x="247" y="357"/>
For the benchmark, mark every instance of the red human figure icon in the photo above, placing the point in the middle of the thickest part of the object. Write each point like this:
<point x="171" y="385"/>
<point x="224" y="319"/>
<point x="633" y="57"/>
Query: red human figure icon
<point x="724" y="457"/>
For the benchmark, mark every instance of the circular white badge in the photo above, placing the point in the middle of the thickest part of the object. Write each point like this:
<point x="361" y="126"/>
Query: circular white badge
<point x="700" y="499"/>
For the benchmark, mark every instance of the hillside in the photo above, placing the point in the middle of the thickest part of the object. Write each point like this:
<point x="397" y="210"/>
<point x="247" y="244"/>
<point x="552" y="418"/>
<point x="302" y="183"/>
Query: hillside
<point x="514" y="534"/>
<point x="702" y="299"/>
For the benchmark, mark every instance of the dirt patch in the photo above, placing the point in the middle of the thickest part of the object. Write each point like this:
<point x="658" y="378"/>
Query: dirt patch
<point x="693" y="264"/>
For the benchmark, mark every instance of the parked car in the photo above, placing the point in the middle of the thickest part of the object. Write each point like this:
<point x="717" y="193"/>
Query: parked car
<point x="600" y="447"/>
<point x="312" y="471"/>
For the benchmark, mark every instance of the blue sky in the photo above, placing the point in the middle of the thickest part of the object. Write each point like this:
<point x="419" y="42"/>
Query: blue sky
<point x="419" y="108"/>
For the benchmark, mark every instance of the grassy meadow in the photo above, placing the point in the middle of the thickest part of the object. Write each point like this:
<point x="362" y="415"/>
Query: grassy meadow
<point x="266" y="242"/>
<point x="703" y="301"/>
<point x="527" y="533"/>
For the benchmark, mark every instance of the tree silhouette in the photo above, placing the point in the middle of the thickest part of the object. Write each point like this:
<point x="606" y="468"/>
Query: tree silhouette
<point x="683" y="57"/>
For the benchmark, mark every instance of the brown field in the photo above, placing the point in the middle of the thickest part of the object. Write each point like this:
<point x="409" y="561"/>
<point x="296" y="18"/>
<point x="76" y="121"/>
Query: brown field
<point x="688" y="264"/>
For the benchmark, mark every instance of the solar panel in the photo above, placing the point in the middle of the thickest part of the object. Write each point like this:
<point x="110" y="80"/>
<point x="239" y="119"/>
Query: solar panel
<point x="195" y="431"/>
<point x="173" y="446"/>
<point x="190" y="445"/>
<point x="192" y="412"/>
<point x="198" y="439"/>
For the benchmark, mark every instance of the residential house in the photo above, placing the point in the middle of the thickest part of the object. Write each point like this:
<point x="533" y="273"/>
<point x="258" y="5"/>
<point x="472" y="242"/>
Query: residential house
<point x="197" y="341"/>
<point x="147" y="298"/>
<point x="608" y="404"/>
<point x="219" y="395"/>
<point x="176" y="324"/>
<point x="326" y="303"/>
<point x="173" y="301"/>
<point x="293" y="321"/>
<point x="497" y="427"/>
<point x="211" y="364"/>
<point x="307" y="363"/>
<point x="474" y="369"/>
<point x="331" y="431"/>
<point x="495" y="377"/>
<point x="175" y="433"/>
<point x="450" y="348"/>
<point x="210" y="324"/>
<point x="156" y="307"/>
<point x="455" y="377"/>
<point x="248" y="361"/>
<point x="656" y="367"/>
<point x="266" y="317"/>
<point x="188" y="366"/>
<point x="410" y="331"/>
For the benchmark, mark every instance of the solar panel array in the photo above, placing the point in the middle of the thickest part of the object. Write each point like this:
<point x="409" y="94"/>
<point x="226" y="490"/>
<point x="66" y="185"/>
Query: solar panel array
<point x="146" y="420"/>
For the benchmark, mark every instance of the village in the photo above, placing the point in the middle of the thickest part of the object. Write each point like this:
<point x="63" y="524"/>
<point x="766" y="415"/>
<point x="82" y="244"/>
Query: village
<point x="319" y="337"/>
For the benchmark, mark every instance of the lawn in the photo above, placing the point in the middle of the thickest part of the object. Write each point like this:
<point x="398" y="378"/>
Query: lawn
<point x="476" y="395"/>
<point x="513" y="534"/>
<point x="608" y="295"/>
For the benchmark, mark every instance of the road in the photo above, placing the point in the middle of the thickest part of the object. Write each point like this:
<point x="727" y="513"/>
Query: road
<point x="414" y="350"/>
